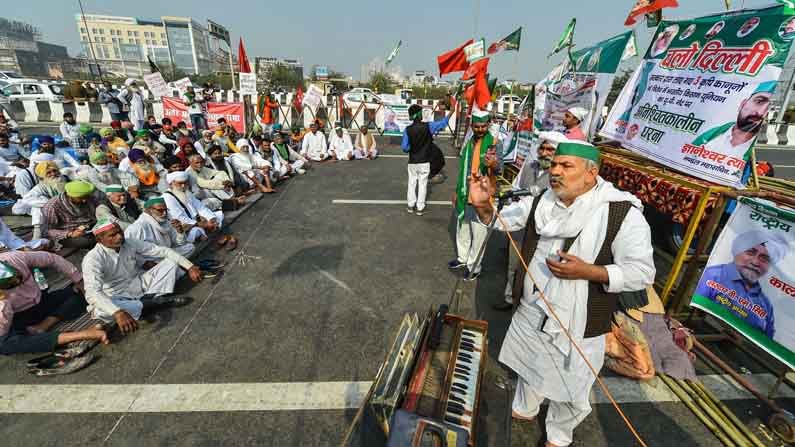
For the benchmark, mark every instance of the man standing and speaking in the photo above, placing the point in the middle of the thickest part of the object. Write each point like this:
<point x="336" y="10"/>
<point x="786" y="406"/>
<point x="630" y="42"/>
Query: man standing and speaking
<point x="585" y="242"/>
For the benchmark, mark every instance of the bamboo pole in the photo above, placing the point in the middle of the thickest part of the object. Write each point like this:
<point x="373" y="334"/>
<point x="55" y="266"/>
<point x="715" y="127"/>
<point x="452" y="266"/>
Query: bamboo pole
<point x="732" y="432"/>
<point x="699" y="414"/>
<point x="729" y="414"/>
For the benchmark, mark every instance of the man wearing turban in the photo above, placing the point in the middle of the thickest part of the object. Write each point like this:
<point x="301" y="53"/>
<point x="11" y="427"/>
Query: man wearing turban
<point x="67" y="219"/>
<point x="102" y="173"/>
<point x="50" y="184"/>
<point x="149" y="172"/>
<point x="754" y="252"/>
<point x="572" y="120"/>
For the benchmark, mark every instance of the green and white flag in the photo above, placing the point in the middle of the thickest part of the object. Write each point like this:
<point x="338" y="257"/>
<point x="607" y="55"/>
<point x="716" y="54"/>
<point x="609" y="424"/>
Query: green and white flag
<point x="789" y="5"/>
<point x="394" y="52"/>
<point x="510" y="42"/>
<point x="631" y="50"/>
<point x="567" y="39"/>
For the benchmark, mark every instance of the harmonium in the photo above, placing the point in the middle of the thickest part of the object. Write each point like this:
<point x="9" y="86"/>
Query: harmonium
<point x="427" y="391"/>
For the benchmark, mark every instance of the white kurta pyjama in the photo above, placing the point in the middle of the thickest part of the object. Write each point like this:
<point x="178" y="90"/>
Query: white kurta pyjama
<point x="195" y="208"/>
<point x="314" y="146"/>
<point x="341" y="146"/>
<point x="113" y="281"/>
<point x="146" y="228"/>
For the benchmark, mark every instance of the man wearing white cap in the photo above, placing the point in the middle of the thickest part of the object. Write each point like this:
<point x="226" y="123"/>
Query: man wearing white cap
<point x="118" y="288"/>
<point x="754" y="252"/>
<point x="572" y="120"/>
<point x="340" y="145"/>
<point x="185" y="207"/>
<point x="252" y="167"/>
<point x="585" y="242"/>
<point x="119" y="208"/>
<point x="534" y="177"/>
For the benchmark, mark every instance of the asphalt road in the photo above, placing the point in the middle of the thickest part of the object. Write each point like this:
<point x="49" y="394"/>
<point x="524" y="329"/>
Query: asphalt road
<point x="309" y="302"/>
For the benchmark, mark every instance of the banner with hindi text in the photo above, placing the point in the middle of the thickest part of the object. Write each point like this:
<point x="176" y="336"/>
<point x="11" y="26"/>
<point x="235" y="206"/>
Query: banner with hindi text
<point x="233" y="112"/>
<point x="702" y="90"/>
<point x="749" y="280"/>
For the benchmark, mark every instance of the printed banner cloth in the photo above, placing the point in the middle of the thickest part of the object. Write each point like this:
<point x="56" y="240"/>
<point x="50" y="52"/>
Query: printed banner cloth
<point x="586" y="85"/>
<point x="699" y="96"/>
<point x="396" y="119"/>
<point x="233" y="112"/>
<point x="749" y="281"/>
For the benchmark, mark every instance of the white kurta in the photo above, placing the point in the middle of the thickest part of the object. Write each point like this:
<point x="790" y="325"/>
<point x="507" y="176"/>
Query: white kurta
<point x="146" y="228"/>
<point x="10" y="241"/>
<point x="341" y="146"/>
<point x="189" y="214"/>
<point x="135" y="101"/>
<point x="314" y="146"/>
<point x="113" y="281"/>
<point x="536" y="353"/>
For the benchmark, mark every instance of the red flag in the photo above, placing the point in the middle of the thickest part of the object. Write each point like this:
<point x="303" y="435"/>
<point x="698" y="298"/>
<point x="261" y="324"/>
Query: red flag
<point x="454" y="60"/>
<point x="475" y="68"/>
<point x="298" y="99"/>
<point x="478" y="91"/>
<point x="242" y="59"/>
<point x="645" y="6"/>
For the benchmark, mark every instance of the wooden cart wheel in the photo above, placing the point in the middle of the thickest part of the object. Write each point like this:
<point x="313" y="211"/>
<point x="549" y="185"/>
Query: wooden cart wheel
<point x="783" y="425"/>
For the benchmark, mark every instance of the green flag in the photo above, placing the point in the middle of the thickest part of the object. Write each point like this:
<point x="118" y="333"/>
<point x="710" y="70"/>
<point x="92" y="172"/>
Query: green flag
<point x="394" y="52"/>
<point x="510" y="42"/>
<point x="567" y="39"/>
<point x="789" y="5"/>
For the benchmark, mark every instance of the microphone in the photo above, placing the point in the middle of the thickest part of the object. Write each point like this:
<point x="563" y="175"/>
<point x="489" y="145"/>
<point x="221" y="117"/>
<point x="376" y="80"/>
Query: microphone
<point x="514" y="194"/>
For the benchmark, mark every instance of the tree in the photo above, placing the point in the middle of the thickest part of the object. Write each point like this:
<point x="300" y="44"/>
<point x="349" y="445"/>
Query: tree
<point x="283" y="76"/>
<point x="380" y="82"/>
<point x="615" y="89"/>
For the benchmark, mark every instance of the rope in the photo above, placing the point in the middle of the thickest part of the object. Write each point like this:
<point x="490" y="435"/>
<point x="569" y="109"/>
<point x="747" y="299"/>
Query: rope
<point x="571" y="339"/>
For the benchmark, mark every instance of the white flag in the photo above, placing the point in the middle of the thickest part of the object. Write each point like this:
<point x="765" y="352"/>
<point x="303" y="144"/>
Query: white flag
<point x="631" y="50"/>
<point x="394" y="52"/>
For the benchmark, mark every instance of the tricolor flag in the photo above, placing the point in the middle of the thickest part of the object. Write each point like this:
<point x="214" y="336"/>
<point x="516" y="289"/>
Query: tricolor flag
<point x="567" y="39"/>
<point x="394" y="52"/>
<point x="510" y="42"/>
<point x="645" y="7"/>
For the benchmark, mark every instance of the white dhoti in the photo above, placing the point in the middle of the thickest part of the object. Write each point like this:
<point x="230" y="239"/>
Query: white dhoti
<point x="159" y="280"/>
<point x="360" y="154"/>
<point x="470" y="236"/>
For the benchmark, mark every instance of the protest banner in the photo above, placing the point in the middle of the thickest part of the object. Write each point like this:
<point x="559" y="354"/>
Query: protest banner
<point x="701" y="92"/>
<point x="312" y="97"/>
<point x="248" y="83"/>
<point x="182" y="85"/>
<point x="233" y="112"/>
<point x="396" y="118"/>
<point x="585" y="85"/>
<point x="749" y="280"/>
<point x="475" y="50"/>
<point x="157" y="85"/>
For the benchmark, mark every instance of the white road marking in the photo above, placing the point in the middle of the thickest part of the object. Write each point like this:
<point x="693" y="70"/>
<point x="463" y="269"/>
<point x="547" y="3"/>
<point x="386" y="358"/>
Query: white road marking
<point x="385" y="202"/>
<point x="783" y="166"/>
<point x="334" y="279"/>
<point x="406" y="156"/>
<point x="297" y="396"/>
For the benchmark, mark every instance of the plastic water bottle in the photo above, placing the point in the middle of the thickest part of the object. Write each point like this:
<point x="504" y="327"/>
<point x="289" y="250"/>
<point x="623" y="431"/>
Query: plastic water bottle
<point x="40" y="279"/>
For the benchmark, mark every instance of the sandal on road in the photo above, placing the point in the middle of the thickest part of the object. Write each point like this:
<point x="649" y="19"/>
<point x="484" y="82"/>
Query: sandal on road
<point x="56" y="366"/>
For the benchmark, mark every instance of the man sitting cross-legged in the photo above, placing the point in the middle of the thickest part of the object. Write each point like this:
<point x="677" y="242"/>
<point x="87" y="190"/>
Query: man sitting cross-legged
<point x="67" y="218"/>
<point x="27" y="315"/>
<point x="210" y="186"/>
<point x="185" y="207"/>
<point x="119" y="287"/>
<point x="254" y="168"/>
<point x="154" y="226"/>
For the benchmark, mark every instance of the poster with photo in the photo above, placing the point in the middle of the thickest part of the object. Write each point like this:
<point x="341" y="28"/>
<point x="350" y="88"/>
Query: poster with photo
<point x="701" y="92"/>
<point x="749" y="279"/>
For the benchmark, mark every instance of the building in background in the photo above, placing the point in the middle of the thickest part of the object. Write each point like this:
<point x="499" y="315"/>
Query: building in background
<point x="266" y="67"/>
<point x="22" y="51"/>
<point x="220" y="48"/>
<point x="121" y="44"/>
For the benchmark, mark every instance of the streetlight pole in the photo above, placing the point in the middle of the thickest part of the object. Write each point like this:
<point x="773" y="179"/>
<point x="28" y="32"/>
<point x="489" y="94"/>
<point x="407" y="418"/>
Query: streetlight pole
<point x="90" y="42"/>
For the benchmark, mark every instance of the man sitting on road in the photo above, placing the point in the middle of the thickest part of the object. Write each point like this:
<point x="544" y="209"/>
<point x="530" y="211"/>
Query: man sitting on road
<point x="119" y="208"/>
<point x="60" y="152"/>
<point x="70" y="130"/>
<point x="102" y="173"/>
<point x="253" y="167"/>
<point x="67" y="219"/>
<point x="280" y="168"/>
<point x="12" y="153"/>
<point x="220" y="163"/>
<point x="25" y="180"/>
<point x="202" y="145"/>
<point x="212" y="187"/>
<point x="194" y="215"/>
<point x="365" y="146"/>
<point x="121" y="284"/>
<point x="149" y="172"/>
<point x="145" y="141"/>
<point x="314" y="145"/>
<point x="298" y="163"/>
<point x="340" y="146"/>
<point x="154" y="226"/>
<point x="27" y="314"/>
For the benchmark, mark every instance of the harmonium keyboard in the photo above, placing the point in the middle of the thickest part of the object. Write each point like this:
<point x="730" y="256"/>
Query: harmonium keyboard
<point x="434" y="370"/>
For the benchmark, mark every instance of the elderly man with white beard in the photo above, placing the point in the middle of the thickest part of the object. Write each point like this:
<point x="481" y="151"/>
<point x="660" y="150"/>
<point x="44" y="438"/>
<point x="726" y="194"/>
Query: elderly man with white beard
<point x="154" y="226"/>
<point x="252" y="167"/>
<point x="150" y="173"/>
<point x="208" y="185"/>
<point x="102" y="173"/>
<point x="585" y="242"/>
<point x="192" y="213"/>
<point x="51" y="184"/>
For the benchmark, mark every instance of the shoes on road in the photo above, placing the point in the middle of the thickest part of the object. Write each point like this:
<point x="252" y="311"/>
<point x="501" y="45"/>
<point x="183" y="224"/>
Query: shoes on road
<point x="410" y="210"/>
<point x="419" y="212"/>
<point x="470" y="276"/>
<point x="455" y="264"/>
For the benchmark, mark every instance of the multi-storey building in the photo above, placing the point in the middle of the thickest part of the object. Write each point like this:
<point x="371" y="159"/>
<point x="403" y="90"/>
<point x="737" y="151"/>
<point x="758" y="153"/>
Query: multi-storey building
<point x="22" y="52"/>
<point x="121" y="44"/>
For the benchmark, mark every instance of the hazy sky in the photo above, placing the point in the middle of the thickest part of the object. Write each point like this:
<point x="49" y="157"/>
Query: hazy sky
<point x="346" y="34"/>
